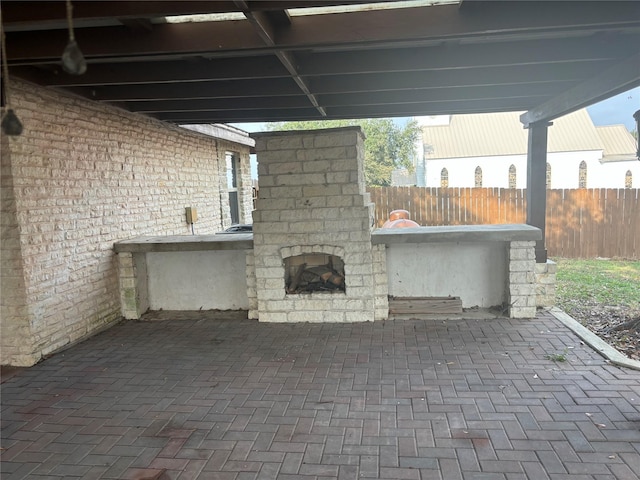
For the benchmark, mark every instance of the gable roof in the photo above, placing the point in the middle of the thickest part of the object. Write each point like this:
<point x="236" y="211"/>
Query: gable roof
<point x="618" y="143"/>
<point x="493" y="134"/>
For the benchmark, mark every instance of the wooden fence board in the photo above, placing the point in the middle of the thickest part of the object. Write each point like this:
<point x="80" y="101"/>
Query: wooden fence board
<point x="581" y="223"/>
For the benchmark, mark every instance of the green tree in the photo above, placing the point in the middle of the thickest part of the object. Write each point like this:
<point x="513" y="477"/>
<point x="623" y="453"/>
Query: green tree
<point x="387" y="145"/>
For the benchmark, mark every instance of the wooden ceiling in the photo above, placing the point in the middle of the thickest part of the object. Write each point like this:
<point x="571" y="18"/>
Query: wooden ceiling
<point x="273" y="64"/>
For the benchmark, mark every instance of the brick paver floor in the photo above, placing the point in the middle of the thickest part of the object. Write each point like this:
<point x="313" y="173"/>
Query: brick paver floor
<point x="210" y="396"/>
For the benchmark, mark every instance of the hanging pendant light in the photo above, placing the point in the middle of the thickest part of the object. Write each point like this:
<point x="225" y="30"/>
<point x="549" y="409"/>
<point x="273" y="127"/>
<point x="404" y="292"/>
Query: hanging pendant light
<point x="10" y="124"/>
<point x="73" y="61"/>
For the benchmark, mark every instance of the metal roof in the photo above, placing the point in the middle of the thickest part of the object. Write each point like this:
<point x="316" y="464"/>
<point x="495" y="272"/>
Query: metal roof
<point x="618" y="143"/>
<point x="493" y="134"/>
<point x="274" y="60"/>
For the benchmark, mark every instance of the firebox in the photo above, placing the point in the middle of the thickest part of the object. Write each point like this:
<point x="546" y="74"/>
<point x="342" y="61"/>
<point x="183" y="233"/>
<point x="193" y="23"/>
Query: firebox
<point x="314" y="272"/>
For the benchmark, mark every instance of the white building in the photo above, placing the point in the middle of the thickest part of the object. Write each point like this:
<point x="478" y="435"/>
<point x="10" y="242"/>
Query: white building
<point x="490" y="150"/>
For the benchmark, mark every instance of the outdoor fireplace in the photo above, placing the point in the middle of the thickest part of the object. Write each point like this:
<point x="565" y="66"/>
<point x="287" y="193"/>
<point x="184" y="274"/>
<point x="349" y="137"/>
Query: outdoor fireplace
<point x="312" y="256"/>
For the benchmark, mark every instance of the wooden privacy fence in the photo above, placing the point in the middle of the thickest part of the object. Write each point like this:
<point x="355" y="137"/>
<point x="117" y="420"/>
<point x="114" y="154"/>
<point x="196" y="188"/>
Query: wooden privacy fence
<point x="581" y="223"/>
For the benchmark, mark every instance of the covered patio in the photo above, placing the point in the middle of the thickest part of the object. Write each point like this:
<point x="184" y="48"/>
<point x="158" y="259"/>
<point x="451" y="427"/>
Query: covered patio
<point x="212" y="396"/>
<point x="154" y="66"/>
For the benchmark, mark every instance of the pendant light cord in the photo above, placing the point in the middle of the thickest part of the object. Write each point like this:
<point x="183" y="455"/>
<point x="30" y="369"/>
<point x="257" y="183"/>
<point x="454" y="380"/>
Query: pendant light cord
<point x="5" y="66"/>
<point x="70" y="20"/>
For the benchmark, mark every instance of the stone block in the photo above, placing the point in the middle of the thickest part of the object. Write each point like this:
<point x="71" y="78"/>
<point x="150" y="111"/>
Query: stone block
<point x="338" y="178"/>
<point x="332" y="155"/>
<point x="301" y="179"/>
<point x="528" y="278"/>
<point x="521" y="266"/>
<point x="308" y="226"/>
<point x="522" y="289"/>
<point x="333" y="139"/>
<point x="312" y="316"/>
<point x="273" y="317"/>
<point x="321" y="189"/>
<point x="322" y="166"/>
<point x="354" y="317"/>
<point x="288" y="142"/>
<point x="310" y="201"/>
<point x="522" y="254"/>
<point x="284" y="168"/>
<point x="523" y="244"/>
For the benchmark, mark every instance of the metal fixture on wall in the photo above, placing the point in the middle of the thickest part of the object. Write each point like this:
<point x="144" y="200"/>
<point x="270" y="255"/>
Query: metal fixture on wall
<point x="10" y="125"/>
<point x="73" y="61"/>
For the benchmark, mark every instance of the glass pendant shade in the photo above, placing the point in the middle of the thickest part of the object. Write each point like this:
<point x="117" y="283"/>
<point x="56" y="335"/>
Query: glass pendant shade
<point x="73" y="61"/>
<point x="11" y="125"/>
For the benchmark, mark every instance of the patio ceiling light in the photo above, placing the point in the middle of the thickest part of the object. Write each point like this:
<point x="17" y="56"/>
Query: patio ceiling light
<point x="73" y="61"/>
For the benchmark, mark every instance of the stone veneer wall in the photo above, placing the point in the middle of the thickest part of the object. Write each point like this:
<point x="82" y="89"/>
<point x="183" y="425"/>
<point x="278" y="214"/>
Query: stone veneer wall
<point x="80" y="177"/>
<point x="521" y="295"/>
<point x="546" y="283"/>
<point x="312" y="200"/>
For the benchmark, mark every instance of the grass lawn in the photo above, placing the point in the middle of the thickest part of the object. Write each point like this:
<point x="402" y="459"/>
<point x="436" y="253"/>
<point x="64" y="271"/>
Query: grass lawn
<point x="602" y="294"/>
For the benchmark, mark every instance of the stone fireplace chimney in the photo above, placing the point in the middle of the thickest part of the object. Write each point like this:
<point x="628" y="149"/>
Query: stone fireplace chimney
<point x="312" y="215"/>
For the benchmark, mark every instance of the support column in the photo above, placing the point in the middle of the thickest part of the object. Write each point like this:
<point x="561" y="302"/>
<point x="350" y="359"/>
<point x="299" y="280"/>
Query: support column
<point x="537" y="183"/>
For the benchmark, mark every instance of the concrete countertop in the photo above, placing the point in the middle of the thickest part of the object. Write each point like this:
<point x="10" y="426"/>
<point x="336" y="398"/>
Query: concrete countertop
<point x="244" y="241"/>
<point x="186" y="243"/>
<point x="457" y="233"/>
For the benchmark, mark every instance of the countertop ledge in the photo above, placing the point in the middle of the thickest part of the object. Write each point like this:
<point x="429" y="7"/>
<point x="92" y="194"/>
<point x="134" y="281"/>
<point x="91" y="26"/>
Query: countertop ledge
<point x="186" y="243"/>
<point x="457" y="233"/>
<point x="244" y="241"/>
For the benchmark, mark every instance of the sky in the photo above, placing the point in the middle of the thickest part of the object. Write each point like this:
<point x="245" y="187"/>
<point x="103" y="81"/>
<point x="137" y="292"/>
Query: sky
<point x="617" y="110"/>
<point x="613" y="111"/>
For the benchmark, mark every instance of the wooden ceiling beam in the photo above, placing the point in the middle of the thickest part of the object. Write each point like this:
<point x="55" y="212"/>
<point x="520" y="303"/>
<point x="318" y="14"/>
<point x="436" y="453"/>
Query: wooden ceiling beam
<point x="213" y="104"/>
<point x="267" y="31"/>
<point x="228" y="116"/>
<point x="366" y="29"/>
<point x="534" y="93"/>
<point x="38" y="13"/>
<point x="198" y="90"/>
<point x="448" y="83"/>
<point x="620" y="78"/>
<point x="193" y="70"/>
<point x="471" y="77"/>
<point x="459" y="56"/>
<point x="373" y="111"/>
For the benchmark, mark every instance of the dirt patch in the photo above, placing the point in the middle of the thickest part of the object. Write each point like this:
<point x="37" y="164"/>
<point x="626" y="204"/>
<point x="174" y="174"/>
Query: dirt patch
<point x="616" y="325"/>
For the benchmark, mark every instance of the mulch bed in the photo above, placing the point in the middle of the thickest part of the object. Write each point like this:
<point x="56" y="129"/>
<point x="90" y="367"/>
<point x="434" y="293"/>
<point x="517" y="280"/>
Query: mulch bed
<point x="616" y="325"/>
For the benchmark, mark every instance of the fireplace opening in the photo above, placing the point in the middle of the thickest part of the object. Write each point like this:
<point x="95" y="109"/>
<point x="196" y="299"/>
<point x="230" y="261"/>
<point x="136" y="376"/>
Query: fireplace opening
<point x="314" y="272"/>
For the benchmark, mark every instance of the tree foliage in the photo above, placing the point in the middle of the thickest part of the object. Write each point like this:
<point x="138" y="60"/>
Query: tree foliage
<point x="387" y="145"/>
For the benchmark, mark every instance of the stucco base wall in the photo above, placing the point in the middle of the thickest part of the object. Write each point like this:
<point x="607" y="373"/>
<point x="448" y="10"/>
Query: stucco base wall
<point x="475" y="272"/>
<point x="197" y="280"/>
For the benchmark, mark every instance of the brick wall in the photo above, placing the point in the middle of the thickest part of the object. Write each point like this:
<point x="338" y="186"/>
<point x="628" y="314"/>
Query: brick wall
<point x="81" y="177"/>
<point x="14" y="303"/>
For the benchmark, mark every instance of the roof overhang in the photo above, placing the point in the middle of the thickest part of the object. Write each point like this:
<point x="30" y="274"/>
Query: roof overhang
<point x="266" y="61"/>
